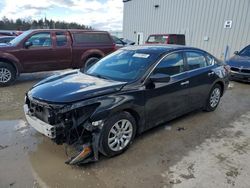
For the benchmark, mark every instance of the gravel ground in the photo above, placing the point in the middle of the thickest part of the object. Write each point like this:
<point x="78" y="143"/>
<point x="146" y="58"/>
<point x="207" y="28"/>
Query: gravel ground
<point x="197" y="150"/>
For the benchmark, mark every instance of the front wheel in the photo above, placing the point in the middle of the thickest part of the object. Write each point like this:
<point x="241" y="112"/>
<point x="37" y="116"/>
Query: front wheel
<point x="214" y="98"/>
<point x="7" y="74"/>
<point x="117" y="134"/>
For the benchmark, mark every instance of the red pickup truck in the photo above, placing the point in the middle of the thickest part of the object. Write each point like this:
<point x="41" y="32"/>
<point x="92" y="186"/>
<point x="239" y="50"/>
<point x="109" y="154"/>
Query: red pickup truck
<point x="46" y="50"/>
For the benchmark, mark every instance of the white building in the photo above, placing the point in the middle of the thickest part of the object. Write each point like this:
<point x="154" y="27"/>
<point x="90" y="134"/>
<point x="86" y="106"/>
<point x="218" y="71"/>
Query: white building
<point x="211" y="25"/>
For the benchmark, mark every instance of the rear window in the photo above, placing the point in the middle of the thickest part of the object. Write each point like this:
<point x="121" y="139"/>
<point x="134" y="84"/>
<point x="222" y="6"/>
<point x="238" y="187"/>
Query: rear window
<point x="91" y="38"/>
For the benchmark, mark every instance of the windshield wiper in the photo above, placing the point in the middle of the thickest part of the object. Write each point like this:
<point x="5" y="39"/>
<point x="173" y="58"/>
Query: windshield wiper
<point x="100" y="76"/>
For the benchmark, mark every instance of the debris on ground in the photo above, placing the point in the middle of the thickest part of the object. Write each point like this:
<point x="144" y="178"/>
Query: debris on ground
<point x="230" y="85"/>
<point x="11" y="184"/>
<point x="181" y="129"/>
<point x="168" y="128"/>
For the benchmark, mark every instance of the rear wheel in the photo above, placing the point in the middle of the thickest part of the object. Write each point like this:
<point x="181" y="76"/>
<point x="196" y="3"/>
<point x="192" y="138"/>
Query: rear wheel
<point x="117" y="134"/>
<point x="214" y="98"/>
<point x="7" y="74"/>
<point x="90" y="62"/>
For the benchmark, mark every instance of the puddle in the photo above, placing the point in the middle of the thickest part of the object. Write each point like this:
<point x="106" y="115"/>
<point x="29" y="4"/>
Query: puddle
<point x="16" y="143"/>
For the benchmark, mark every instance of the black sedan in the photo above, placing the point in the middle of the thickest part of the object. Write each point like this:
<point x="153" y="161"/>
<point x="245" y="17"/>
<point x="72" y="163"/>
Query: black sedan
<point x="122" y="95"/>
<point x="240" y="65"/>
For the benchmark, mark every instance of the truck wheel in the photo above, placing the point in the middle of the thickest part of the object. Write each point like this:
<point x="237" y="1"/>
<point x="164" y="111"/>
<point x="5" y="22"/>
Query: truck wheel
<point x="117" y="134"/>
<point x="90" y="61"/>
<point x="7" y="74"/>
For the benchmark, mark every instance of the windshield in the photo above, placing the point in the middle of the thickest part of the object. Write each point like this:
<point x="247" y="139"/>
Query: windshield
<point x="245" y="51"/>
<point x="123" y="65"/>
<point x="19" y="38"/>
<point x="157" y="39"/>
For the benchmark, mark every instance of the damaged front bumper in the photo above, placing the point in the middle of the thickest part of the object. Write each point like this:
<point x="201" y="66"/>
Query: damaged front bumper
<point x="42" y="127"/>
<point x="74" y="131"/>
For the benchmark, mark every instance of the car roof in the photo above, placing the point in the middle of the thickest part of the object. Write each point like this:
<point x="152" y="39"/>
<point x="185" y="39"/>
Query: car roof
<point x="70" y="30"/>
<point x="161" y="49"/>
<point x="158" y="34"/>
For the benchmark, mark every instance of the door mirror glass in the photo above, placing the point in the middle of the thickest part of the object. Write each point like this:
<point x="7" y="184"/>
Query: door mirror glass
<point x="158" y="77"/>
<point x="28" y="44"/>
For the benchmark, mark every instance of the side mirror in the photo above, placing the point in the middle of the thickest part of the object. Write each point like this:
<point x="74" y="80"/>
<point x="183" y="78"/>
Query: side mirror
<point x="236" y="52"/>
<point x="28" y="44"/>
<point x="162" y="78"/>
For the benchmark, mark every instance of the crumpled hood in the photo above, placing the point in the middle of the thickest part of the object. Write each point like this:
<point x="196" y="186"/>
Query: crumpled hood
<point x="239" y="61"/>
<point x="72" y="86"/>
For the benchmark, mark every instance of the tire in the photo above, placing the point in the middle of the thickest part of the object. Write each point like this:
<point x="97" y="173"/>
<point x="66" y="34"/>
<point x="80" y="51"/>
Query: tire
<point x="214" y="98"/>
<point x="7" y="74"/>
<point x="108" y="138"/>
<point x="90" y="61"/>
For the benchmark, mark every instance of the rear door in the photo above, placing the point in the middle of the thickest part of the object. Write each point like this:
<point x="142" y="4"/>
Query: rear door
<point x="165" y="101"/>
<point x="201" y="77"/>
<point x="63" y="50"/>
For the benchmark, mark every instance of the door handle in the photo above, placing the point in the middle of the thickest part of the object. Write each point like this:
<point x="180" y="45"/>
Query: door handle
<point x="210" y="73"/>
<point x="184" y="83"/>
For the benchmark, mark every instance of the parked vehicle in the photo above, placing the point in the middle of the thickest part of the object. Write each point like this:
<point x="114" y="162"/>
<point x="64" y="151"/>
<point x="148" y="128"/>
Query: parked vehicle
<point x="6" y="39"/>
<point x="240" y="65"/>
<point x="120" y="42"/>
<point x="46" y="50"/>
<point x="166" y="39"/>
<point x="127" y="41"/>
<point x="10" y="33"/>
<point x="122" y="95"/>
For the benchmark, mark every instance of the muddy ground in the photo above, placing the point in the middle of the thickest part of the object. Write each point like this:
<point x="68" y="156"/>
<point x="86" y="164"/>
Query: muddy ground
<point x="197" y="150"/>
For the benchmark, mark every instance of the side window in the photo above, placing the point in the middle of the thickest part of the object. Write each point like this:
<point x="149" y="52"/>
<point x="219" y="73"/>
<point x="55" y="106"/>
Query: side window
<point x="91" y="37"/>
<point x="171" y="65"/>
<point x="210" y="60"/>
<point x="195" y="60"/>
<point x="172" y="39"/>
<point x="40" y="40"/>
<point x="61" y="39"/>
<point x="117" y="40"/>
<point x="245" y="51"/>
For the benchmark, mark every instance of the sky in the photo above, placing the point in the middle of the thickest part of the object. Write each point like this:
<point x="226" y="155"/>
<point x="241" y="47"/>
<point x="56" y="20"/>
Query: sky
<point x="99" y="14"/>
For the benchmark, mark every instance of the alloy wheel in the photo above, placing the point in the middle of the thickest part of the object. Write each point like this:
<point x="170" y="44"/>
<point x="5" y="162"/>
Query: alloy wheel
<point x="215" y="97"/>
<point x="5" y="75"/>
<point x="120" y="135"/>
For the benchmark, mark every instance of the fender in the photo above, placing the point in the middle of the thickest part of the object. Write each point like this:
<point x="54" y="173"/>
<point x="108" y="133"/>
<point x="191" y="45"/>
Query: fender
<point x="89" y="53"/>
<point x="11" y="58"/>
<point x="117" y="103"/>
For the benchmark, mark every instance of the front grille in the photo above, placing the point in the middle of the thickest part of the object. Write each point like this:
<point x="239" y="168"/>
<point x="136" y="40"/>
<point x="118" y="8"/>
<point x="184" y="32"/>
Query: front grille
<point x="245" y="71"/>
<point x="235" y="69"/>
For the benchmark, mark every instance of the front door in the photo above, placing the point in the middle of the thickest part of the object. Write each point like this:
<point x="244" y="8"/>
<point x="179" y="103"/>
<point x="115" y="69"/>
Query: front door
<point x="165" y="101"/>
<point x="63" y="50"/>
<point x="40" y="56"/>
